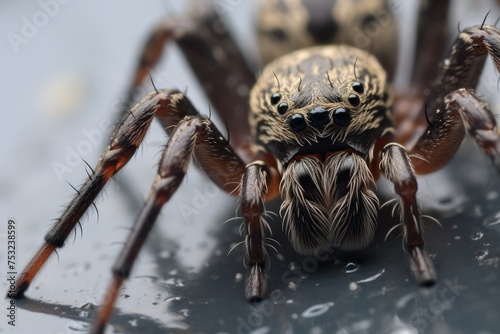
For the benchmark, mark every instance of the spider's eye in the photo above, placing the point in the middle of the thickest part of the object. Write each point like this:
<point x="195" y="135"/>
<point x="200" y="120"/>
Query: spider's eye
<point x="342" y="116"/>
<point x="297" y="122"/>
<point x="282" y="108"/>
<point x="358" y="87"/>
<point x="353" y="99"/>
<point x="275" y="98"/>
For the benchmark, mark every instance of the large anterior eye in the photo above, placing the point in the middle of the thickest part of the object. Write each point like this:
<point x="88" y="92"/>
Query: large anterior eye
<point x="342" y="116"/>
<point x="297" y="122"/>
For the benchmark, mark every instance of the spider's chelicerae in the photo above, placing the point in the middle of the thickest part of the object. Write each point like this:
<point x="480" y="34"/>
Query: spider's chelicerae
<point x="322" y="126"/>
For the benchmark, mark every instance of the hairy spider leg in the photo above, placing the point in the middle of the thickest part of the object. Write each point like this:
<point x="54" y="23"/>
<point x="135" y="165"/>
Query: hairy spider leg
<point x="191" y="131"/>
<point x="213" y="154"/>
<point x="461" y="109"/>
<point x="216" y="60"/>
<point x="396" y="166"/>
<point x="430" y="44"/>
<point x="463" y="66"/>
<point x="252" y="197"/>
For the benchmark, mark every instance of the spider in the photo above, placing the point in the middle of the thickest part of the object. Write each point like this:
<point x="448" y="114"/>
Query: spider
<point x="323" y="125"/>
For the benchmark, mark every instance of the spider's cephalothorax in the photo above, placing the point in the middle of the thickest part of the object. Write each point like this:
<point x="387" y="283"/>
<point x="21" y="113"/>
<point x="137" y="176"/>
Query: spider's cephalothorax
<point x="319" y="133"/>
<point x="319" y="111"/>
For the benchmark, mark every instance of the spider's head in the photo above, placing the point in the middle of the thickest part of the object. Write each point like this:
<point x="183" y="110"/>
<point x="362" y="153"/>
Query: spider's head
<point x="319" y="101"/>
<point x="319" y="111"/>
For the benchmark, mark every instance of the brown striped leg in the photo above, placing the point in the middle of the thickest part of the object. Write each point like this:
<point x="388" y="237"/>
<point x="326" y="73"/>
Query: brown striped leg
<point x="464" y="63"/>
<point x="461" y="69"/>
<point x="215" y="59"/>
<point x="479" y="121"/>
<point x="123" y="145"/>
<point x="432" y="32"/>
<point x="396" y="166"/>
<point x="444" y="135"/>
<point x="215" y="156"/>
<point x="171" y="171"/>
<point x="252" y="193"/>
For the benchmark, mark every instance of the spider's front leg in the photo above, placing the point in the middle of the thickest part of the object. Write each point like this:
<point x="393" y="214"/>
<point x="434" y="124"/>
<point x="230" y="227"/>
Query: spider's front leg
<point x="125" y="141"/>
<point x="191" y="132"/>
<point x="397" y="168"/>
<point x="213" y="154"/>
<point x="211" y="52"/>
<point x="252" y="195"/>
<point x="463" y="111"/>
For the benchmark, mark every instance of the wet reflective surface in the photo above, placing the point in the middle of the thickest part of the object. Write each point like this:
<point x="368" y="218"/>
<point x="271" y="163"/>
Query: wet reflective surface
<point x="185" y="281"/>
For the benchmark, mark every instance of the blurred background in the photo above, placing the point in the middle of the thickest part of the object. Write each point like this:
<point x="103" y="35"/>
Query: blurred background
<point x="65" y="69"/>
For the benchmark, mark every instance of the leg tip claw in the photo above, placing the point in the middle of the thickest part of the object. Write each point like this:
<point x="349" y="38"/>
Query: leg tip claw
<point x="256" y="284"/>
<point x="422" y="267"/>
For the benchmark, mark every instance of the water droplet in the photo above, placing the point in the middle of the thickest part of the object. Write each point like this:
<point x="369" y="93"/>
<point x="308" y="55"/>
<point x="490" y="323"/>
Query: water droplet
<point x="372" y="278"/>
<point x="169" y="299"/>
<point x="476" y="236"/>
<point x="262" y="330"/>
<point x="295" y="316"/>
<point x="405" y="299"/>
<point x="292" y="286"/>
<point x="457" y="237"/>
<point x="84" y="314"/>
<point x="480" y="255"/>
<point x="317" y="310"/>
<point x="78" y="326"/>
<point x="238" y="277"/>
<point x="361" y="326"/>
<point x="493" y="222"/>
<point x="170" y="281"/>
<point x="185" y="312"/>
<point x="164" y="254"/>
<point x="492" y="195"/>
<point x="351" y="267"/>
<point x="353" y="286"/>
<point x="87" y="310"/>
<point x="477" y="211"/>
<point x="133" y="323"/>
<point x="316" y="330"/>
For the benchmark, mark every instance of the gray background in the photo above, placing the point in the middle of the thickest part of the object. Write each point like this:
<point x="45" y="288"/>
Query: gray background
<point x="68" y="79"/>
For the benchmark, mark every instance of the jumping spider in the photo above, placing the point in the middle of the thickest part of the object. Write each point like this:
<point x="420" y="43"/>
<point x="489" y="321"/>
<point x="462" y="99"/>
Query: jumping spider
<point x="323" y="125"/>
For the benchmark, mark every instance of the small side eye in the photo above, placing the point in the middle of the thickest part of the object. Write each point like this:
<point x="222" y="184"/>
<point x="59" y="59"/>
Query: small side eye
<point x="342" y="116"/>
<point x="353" y="99"/>
<point x="282" y="108"/>
<point x="358" y="87"/>
<point x="275" y="98"/>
